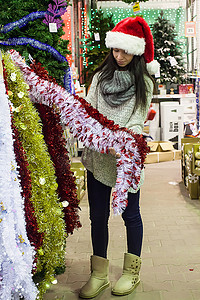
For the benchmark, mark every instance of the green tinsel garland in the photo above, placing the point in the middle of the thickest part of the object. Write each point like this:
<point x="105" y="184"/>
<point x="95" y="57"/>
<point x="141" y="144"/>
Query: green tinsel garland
<point x="47" y="208"/>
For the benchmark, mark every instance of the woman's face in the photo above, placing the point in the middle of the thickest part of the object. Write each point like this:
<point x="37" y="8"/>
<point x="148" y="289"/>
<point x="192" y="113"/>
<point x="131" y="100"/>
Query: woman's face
<point x="122" y="58"/>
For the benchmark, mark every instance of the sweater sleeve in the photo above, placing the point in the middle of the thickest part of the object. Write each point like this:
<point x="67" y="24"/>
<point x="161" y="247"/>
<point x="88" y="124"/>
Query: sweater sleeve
<point x="92" y="93"/>
<point x="137" y="119"/>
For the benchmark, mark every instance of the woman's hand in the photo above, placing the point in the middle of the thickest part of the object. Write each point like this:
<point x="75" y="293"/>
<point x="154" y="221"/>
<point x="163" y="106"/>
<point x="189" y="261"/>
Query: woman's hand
<point x="113" y="152"/>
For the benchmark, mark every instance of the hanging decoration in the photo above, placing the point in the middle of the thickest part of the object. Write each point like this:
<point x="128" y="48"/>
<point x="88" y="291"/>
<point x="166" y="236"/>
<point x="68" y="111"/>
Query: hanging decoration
<point x="42" y="46"/>
<point x="55" y="12"/>
<point x="93" y="129"/>
<point x="23" y="21"/>
<point x="16" y="254"/>
<point x="44" y="198"/>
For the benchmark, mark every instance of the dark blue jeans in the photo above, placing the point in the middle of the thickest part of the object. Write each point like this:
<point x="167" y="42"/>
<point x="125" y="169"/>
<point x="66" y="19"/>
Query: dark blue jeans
<point x="99" y="202"/>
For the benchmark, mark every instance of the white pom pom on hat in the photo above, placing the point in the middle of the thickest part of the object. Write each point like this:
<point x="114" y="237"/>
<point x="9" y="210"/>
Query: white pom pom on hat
<point x="134" y="36"/>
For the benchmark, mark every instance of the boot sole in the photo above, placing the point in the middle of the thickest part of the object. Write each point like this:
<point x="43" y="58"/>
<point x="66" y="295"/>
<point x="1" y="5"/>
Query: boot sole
<point x="97" y="292"/>
<point x="127" y="292"/>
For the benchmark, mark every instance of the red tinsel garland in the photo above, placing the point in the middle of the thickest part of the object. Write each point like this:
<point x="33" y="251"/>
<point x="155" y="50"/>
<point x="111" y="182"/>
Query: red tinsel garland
<point x="53" y="135"/>
<point x="140" y="141"/>
<point x="41" y="71"/>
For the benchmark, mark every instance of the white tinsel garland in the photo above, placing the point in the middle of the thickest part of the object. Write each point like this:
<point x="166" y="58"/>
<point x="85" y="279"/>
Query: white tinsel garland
<point x="16" y="253"/>
<point x="89" y="131"/>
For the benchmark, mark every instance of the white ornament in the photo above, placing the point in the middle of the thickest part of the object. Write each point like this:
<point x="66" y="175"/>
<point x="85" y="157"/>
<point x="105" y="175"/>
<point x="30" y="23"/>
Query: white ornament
<point x="65" y="203"/>
<point x="42" y="180"/>
<point x="13" y="76"/>
<point x="20" y="95"/>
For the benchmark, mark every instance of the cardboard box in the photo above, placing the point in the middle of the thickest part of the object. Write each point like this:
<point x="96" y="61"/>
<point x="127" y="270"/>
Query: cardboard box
<point x="156" y="157"/>
<point x="152" y="158"/>
<point x="160" y="146"/>
<point x="166" y="156"/>
<point x="177" y="154"/>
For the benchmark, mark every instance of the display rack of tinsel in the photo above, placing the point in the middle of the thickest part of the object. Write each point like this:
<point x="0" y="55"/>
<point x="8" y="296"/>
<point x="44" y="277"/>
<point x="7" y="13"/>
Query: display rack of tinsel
<point x="93" y="129"/>
<point x="16" y="253"/>
<point x="44" y="198"/>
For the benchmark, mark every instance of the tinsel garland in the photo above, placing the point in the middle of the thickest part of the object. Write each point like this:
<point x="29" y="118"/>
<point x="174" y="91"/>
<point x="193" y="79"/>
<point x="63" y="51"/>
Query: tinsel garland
<point x="16" y="253"/>
<point x="53" y="134"/>
<point x="93" y="130"/>
<point x="23" y="21"/>
<point x="68" y="84"/>
<point x="47" y="208"/>
<point x="41" y="71"/>
<point x="35" y="237"/>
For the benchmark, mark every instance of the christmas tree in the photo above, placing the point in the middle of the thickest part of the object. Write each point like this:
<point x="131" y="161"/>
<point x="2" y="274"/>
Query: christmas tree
<point x="168" y="51"/>
<point x="99" y="25"/>
<point x="24" y="27"/>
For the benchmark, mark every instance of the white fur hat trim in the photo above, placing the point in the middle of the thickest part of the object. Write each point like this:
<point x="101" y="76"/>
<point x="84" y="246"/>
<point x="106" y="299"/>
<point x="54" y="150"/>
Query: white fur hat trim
<point x="129" y="43"/>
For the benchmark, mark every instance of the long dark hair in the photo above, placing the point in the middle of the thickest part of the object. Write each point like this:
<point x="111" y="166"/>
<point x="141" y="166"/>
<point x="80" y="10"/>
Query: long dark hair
<point x="137" y="67"/>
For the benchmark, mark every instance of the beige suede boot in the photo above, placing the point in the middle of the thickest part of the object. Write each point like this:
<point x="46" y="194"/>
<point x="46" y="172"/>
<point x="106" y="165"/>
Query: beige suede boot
<point x="98" y="280"/>
<point x="130" y="276"/>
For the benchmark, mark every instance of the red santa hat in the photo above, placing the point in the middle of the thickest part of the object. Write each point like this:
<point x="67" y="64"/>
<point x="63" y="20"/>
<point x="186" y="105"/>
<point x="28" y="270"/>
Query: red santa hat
<point x="134" y="36"/>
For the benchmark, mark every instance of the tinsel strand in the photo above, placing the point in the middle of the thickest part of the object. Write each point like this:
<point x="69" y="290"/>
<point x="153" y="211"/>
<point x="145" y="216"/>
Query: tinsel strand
<point x="16" y="253"/>
<point x="53" y="135"/>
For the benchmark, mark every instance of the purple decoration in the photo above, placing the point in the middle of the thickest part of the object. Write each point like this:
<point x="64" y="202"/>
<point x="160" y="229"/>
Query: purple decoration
<point x="55" y="12"/>
<point x="50" y="19"/>
<point x="22" y="22"/>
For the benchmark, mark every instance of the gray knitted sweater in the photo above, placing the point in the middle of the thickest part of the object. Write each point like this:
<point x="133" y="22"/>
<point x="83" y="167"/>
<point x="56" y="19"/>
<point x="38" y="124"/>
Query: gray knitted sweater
<point x="103" y="166"/>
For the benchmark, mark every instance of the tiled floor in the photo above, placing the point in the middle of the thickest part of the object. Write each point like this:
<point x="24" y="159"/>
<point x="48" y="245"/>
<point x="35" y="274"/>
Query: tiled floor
<point x="171" y="249"/>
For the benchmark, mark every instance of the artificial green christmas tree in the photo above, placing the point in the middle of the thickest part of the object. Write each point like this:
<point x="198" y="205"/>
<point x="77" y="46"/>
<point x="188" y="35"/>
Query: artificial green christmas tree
<point x="29" y="27"/>
<point x="168" y="52"/>
<point x="97" y="50"/>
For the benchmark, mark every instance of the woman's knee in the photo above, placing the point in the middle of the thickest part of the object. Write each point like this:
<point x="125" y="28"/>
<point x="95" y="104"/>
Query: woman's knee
<point x="133" y="220"/>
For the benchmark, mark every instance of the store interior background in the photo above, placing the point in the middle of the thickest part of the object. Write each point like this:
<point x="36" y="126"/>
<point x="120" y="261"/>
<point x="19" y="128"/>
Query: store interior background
<point x="171" y="270"/>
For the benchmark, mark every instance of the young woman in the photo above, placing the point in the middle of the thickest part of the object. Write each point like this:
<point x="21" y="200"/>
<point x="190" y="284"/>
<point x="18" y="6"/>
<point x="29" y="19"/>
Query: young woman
<point x="121" y="90"/>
